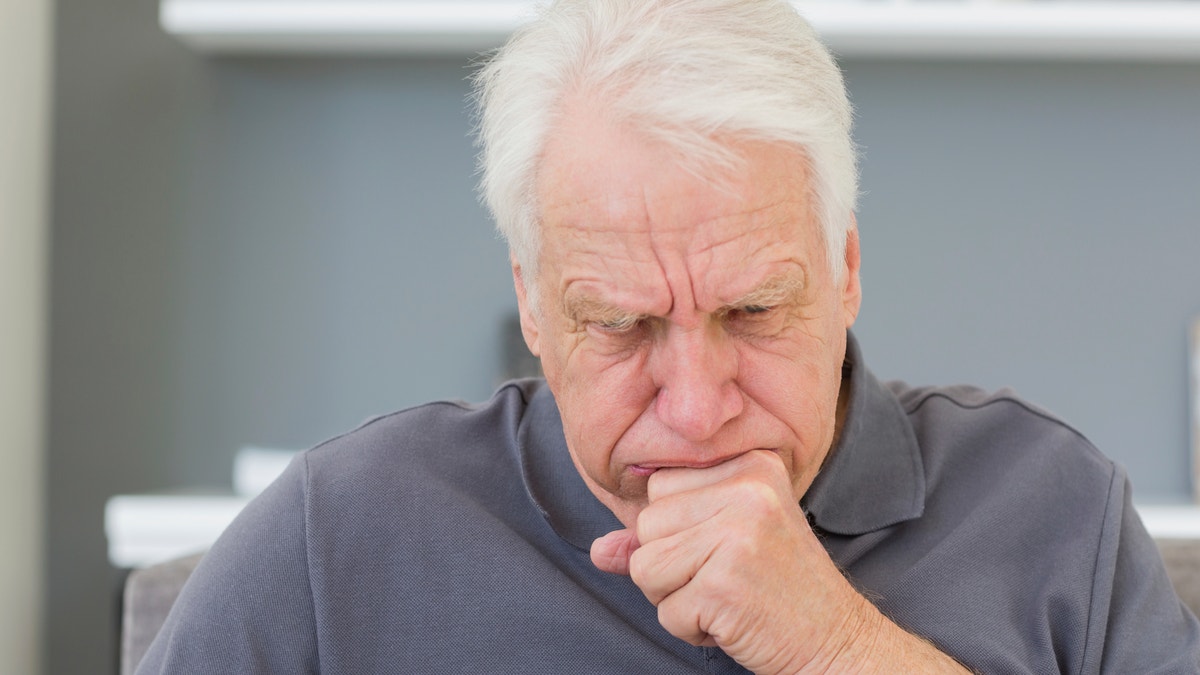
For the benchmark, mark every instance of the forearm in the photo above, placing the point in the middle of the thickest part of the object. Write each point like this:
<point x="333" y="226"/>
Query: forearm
<point x="875" y="644"/>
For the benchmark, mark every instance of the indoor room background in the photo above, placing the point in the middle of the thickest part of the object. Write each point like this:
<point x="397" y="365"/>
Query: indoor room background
<point x="267" y="251"/>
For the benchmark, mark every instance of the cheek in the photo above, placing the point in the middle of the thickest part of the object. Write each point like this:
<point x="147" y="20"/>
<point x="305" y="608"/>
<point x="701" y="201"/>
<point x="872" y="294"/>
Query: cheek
<point x="599" y="398"/>
<point x="792" y="393"/>
<point x="798" y="392"/>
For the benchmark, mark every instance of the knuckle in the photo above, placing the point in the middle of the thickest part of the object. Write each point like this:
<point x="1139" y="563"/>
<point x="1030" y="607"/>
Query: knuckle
<point x="647" y="528"/>
<point x="756" y="496"/>
<point x="640" y="568"/>
<point x="678" y="620"/>
<point x="725" y="590"/>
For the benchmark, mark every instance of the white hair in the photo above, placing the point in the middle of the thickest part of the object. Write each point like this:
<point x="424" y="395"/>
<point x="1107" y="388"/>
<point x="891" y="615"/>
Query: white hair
<point x="693" y="74"/>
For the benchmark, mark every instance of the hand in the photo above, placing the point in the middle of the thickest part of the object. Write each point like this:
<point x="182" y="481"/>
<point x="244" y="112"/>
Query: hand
<point x="727" y="556"/>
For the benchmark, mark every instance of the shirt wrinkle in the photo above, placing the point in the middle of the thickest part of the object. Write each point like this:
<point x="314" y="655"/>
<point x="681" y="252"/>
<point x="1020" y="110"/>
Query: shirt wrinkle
<point x="1090" y="629"/>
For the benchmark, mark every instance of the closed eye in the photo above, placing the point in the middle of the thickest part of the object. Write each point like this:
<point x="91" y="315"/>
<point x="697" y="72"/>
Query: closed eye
<point x="749" y="311"/>
<point x="755" y="320"/>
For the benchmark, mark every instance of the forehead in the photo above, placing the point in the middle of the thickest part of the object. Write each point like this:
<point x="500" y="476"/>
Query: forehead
<point x="624" y="216"/>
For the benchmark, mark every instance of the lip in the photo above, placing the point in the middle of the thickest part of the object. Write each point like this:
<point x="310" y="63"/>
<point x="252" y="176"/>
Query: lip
<point x="648" y="468"/>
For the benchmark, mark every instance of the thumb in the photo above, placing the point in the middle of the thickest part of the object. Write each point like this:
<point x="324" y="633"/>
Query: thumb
<point x="611" y="552"/>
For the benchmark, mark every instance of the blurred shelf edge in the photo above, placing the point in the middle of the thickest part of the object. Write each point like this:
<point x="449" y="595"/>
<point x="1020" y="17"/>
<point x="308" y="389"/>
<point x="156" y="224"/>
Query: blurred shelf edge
<point x="150" y="528"/>
<point x="1164" y="30"/>
<point x="1180" y="521"/>
<point x="144" y="530"/>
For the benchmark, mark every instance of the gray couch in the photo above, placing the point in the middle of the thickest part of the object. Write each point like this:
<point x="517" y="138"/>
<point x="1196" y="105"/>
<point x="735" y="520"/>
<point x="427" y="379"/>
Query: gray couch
<point x="1183" y="566"/>
<point x="149" y="594"/>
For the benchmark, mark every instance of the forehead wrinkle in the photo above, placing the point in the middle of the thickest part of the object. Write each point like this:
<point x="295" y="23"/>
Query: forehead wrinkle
<point x="761" y="217"/>
<point x="659" y="233"/>
<point x="789" y="279"/>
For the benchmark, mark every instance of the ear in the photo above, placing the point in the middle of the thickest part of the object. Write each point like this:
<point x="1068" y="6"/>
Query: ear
<point x="851" y="286"/>
<point x="529" y="327"/>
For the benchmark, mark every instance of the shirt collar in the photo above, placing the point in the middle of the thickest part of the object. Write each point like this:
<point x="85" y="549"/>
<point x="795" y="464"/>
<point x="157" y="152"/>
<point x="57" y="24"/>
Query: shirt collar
<point x="873" y="478"/>
<point x="551" y="479"/>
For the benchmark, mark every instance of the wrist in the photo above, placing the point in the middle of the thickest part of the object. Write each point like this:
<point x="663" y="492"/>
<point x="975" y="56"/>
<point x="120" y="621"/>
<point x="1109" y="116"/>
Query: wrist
<point x="869" y="642"/>
<point x="855" y="647"/>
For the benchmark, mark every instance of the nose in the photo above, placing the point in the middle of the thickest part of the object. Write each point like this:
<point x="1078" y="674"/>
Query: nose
<point x="695" y="369"/>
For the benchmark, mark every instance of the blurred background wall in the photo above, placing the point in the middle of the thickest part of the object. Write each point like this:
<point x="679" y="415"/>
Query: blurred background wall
<point x="24" y="127"/>
<point x="267" y="251"/>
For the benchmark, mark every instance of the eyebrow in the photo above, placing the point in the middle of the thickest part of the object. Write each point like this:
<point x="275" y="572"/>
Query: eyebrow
<point x="578" y="307"/>
<point x="774" y="291"/>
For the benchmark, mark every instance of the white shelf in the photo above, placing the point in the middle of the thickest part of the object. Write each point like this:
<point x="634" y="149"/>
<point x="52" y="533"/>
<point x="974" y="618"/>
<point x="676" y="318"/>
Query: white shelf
<point x="1171" y="522"/>
<point x="151" y="528"/>
<point x="999" y="29"/>
<point x="143" y="530"/>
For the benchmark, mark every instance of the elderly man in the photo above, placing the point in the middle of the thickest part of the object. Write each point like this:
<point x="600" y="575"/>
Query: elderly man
<point x="709" y="478"/>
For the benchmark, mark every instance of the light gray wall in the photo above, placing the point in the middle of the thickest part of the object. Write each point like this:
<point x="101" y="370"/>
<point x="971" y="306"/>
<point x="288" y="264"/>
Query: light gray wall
<point x="268" y="251"/>
<point x="335" y="263"/>
<point x="1038" y="226"/>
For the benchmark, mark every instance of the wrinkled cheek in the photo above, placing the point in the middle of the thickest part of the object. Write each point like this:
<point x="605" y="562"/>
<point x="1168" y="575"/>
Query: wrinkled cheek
<point x="582" y="419"/>
<point x="593" y="440"/>
<point x="601" y="398"/>
<point x="816" y="433"/>
<point x="607" y="424"/>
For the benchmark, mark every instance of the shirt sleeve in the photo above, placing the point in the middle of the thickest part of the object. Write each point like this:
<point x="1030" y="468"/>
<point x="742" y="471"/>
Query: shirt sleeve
<point x="248" y="606"/>
<point x="1138" y="623"/>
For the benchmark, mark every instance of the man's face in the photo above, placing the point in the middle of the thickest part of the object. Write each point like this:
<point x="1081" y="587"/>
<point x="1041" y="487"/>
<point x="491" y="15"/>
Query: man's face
<point x="684" y="321"/>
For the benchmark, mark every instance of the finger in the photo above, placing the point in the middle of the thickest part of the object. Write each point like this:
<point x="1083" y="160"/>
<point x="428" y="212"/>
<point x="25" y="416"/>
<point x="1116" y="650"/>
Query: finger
<point x="678" y="615"/>
<point x="676" y="513"/>
<point x="665" y="482"/>
<point x="663" y="567"/>
<point x="611" y="552"/>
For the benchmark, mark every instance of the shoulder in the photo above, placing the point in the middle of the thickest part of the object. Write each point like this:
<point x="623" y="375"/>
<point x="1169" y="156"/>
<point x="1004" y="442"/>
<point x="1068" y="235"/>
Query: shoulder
<point x="975" y="408"/>
<point x="320" y="548"/>
<point x="1018" y="508"/>
<point x="444" y="465"/>
<point x="999" y="432"/>
<point x="1005" y="469"/>
<point x="433" y="437"/>
<point x="437" y="421"/>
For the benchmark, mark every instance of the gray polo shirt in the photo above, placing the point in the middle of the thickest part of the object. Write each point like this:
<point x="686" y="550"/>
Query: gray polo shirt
<point x="454" y="538"/>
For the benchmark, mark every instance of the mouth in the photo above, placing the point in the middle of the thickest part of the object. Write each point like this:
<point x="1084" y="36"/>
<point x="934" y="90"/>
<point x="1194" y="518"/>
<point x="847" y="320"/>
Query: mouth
<point x="645" y="470"/>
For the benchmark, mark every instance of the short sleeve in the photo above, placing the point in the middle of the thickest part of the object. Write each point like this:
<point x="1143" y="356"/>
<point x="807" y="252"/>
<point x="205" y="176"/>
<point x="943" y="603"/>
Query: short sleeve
<point x="1138" y="624"/>
<point x="248" y="606"/>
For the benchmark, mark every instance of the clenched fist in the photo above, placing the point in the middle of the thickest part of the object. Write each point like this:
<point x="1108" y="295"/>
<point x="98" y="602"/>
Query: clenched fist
<point x="729" y="559"/>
